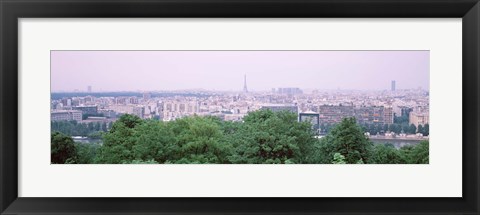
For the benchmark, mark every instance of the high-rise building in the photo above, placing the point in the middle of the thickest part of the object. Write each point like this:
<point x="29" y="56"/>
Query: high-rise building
<point x="388" y="115"/>
<point x="89" y="89"/>
<point x="66" y="102"/>
<point x="138" y="111"/>
<point x="245" y="90"/>
<point x="393" y="85"/>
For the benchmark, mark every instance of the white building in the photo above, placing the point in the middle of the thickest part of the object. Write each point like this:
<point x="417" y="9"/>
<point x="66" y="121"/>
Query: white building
<point x="419" y="118"/>
<point x="66" y="115"/>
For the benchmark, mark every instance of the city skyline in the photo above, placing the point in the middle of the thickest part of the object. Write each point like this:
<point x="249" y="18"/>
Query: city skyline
<point x="109" y="71"/>
<point x="243" y="90"/>
<point x="240" y="107"/>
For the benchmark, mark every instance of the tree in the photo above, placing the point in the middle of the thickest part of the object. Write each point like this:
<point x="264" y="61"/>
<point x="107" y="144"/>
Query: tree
<point x="426" y="130"/>
<point x="128" y="120"/>
<point x="421" y="129"/>
<point x="365" y="127"/>
<point x="72" y="128"/>
<point x="400" y="119"/>
<point x="119" y="141"/>
<point x="405" y="128"/>
<point x="413" y="129"/>
<point x="96" y="126"/>
<point x="397" y="128"/>
<point x="346" y="138"/>
<point x="418" y="154"/>
<point x="272" y="137"/>
<point x="104" y="127"/>
<point x="373" y="129"/>
<point x="86" y="152"/>
<point x="154" y="141"/>
<point x="91" y="127"/>
<point x="62" y="149"/>
<point x="405" y="153"/>
<point x="386" y="154"/>
<point x="199" y="140"/>
<point x="264" y="137"/>
<point x="141" y="162"/>
<point x="385" y="127"/>
<point x="338" y="159"/>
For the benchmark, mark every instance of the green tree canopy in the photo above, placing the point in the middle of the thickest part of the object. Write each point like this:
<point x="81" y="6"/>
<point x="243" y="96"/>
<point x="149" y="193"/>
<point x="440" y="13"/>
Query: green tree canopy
<point x="386" y="154"/>
<point x="272" y="137"/>
<point x="338" y="159"/>
<point x="62" y="149"/>
<point x="348" y="139"/>
<point x="264" y="137"/>
<point x="86" y="152"/>
<point x="128" y="120"/>
<point x="153" y="140"/>
<point x="413" y="129"/>
<point x="199" y="140"/>
<point x="426" y="130"/>
<point x="119" y="141"/>
<point x="421" y="129"/>
<point x="418" y="154"/>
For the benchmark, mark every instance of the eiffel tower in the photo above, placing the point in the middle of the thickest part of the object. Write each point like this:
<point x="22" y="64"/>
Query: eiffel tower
<point x="245" y="90"/>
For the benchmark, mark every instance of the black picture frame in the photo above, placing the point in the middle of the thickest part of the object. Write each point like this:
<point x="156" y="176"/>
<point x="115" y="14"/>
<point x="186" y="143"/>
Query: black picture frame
<point x="12" y="10"/>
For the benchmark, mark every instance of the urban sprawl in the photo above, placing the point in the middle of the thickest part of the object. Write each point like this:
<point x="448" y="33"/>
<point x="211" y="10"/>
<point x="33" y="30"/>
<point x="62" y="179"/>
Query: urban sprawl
<point x="319" y="107"/>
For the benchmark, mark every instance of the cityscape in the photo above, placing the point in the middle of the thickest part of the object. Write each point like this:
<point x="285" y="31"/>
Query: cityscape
<point x="395" y="118"/>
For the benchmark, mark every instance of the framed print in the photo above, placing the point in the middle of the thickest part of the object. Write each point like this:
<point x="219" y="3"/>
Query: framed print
<point x="239" y="107"/>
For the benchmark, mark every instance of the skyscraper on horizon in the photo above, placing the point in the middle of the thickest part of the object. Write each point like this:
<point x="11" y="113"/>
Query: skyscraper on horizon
<point x="393" y="85"/>
<point x="89" y="89"/>
<point x="245" y="90"/>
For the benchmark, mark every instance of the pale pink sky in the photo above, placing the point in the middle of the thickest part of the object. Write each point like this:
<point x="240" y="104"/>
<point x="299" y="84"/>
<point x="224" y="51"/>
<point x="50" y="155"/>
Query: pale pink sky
<point x="224" y="70"/>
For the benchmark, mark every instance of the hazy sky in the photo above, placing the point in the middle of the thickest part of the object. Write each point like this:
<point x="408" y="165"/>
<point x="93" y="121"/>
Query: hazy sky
<point x="224" y="70"/>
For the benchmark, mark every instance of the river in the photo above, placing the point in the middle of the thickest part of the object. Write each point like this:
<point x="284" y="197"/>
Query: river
<point x="397" y="142"/>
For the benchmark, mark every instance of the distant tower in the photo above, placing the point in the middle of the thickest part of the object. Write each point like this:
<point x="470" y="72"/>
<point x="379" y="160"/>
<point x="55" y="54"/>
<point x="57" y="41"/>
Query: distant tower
<point x="89" y="89"/>
<point x="393" y="85"/>
<point x="245" y="90"/>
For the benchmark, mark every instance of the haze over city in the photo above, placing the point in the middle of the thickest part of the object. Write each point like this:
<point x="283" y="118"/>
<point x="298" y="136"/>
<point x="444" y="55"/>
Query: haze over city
<point x="240" y="107"/>
<point x="225" y="70"/>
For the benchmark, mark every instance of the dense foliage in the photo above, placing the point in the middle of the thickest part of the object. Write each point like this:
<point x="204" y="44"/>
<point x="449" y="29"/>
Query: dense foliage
<point x="62" y="149"/>
<point x="264" y="137"/>
<point x="346" y="138"/>
<point x="271" y="137"/>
